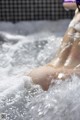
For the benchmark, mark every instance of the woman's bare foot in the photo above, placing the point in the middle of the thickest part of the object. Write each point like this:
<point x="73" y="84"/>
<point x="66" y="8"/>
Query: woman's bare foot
<point x="43" y="76"/>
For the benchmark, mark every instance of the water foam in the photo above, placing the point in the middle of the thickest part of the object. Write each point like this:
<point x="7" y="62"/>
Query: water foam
<point x="20" y="51"/>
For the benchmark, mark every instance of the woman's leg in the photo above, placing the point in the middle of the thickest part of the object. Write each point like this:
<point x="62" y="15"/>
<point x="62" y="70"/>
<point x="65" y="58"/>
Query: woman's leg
<point x="72" y="64"/>
<point x="44" y="75"/>
<point x="67" y="59"/>
<point x="64" y="50"/>
<point x="73" y="59"/>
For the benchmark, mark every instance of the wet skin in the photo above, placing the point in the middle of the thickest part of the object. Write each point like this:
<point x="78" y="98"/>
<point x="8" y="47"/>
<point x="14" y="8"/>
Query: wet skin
<point x="66" y="61"/>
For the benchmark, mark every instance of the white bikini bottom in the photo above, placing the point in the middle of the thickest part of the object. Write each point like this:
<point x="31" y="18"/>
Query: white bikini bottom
<point x="77" y="28"/>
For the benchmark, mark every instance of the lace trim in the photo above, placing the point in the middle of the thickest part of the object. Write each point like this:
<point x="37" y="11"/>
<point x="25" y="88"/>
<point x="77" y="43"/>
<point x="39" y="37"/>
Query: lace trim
<point x="74" y="35"/>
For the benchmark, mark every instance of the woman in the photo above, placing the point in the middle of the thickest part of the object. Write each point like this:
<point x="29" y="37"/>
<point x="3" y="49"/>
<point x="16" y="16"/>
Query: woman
<point x="67" y="59"/>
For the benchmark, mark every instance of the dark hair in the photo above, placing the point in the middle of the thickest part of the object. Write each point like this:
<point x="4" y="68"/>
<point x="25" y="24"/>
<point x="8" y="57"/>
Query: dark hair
<point x="78" y="4"/>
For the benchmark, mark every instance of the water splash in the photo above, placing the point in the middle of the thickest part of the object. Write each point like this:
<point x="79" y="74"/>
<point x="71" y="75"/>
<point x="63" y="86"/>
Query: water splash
<point x="20" y="99"/>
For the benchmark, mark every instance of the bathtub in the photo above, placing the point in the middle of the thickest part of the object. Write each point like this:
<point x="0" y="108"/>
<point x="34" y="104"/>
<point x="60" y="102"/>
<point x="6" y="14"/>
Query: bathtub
<point x="24" y="46"/>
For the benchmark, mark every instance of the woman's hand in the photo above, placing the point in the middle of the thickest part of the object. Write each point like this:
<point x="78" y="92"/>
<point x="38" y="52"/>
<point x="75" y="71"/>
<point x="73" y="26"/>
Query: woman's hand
<point x="71" y="6"/>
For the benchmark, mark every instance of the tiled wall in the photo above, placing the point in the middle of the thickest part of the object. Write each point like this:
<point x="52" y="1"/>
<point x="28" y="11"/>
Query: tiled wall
<point x="18" y="10"/>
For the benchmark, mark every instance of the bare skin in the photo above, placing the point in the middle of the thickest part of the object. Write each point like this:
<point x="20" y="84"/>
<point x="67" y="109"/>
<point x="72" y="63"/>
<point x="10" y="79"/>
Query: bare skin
<point x="65" y="63"/>
<point x="70" y="5"/>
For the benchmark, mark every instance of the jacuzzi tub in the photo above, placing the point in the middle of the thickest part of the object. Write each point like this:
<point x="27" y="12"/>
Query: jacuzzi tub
<point x="26" y="45"/>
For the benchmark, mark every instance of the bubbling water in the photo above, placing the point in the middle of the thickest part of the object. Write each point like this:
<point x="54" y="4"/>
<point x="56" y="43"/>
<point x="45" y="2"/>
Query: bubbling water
<point x="23" y="50"/>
